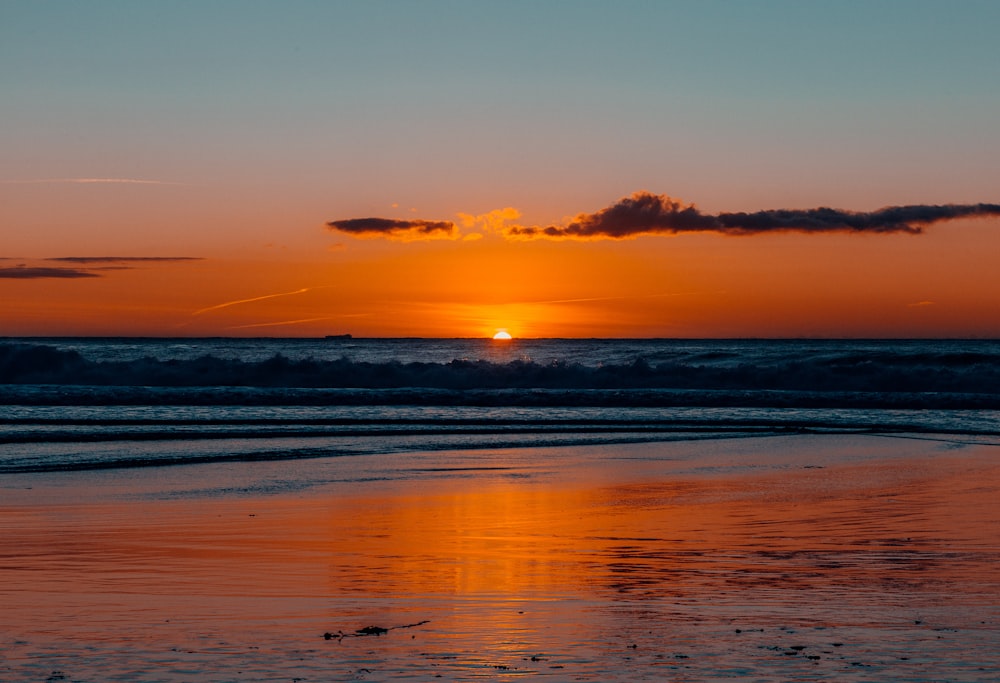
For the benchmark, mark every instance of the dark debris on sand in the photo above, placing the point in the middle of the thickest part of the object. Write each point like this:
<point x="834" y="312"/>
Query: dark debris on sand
<point x="370" y="631"/>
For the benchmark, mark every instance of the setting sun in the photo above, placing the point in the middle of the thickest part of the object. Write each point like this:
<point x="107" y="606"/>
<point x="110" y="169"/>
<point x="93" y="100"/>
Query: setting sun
<point x="252" y="369"/>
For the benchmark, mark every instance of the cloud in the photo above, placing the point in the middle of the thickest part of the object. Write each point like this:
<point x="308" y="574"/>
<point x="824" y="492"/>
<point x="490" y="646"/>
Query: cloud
<point x="123" y="259"/>
<point x="396" y="229"/>
<point x="909" y="219"/>
<point x="29" y="273"/>
<point x="494" y="221"/>
<point x="88" y="181"/>
<point x="89" y="266"/>
<point x="648" y="214"/>
<point x="645" y="213"/>
<point x="642" y="213"/>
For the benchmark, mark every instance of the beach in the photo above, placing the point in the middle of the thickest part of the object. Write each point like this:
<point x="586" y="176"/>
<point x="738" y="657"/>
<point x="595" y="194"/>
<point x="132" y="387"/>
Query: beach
<point x="570" y="341"/>
<point x="847" y="557"/>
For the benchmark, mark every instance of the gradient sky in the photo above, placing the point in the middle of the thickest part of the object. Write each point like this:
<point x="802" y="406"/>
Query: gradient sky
<point x="170" y="168"/>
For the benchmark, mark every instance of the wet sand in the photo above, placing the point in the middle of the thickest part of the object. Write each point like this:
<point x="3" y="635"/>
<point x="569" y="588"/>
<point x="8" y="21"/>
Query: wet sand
<point x="854" y="558"/>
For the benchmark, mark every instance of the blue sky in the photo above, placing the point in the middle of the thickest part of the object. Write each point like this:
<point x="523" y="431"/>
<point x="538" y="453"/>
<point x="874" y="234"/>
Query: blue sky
<point x="620" y="94"/>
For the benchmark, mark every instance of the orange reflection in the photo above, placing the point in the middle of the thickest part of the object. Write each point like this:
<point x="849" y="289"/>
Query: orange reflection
<point x="556" y="560"/>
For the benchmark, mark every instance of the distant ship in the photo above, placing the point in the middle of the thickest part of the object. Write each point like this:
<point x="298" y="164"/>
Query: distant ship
<point x="339" y="336"/>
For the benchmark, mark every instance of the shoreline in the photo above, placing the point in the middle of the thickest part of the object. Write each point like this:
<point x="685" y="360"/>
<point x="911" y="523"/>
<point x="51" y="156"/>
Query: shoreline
<point x="711" y="558"/>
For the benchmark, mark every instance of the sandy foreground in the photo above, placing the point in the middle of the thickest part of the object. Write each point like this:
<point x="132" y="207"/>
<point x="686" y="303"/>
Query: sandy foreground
<point x="798" y="558"/>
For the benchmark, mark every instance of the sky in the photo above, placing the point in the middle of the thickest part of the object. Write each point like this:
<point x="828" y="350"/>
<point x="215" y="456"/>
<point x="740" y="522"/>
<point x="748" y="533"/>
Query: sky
<point x="450" y="169"/>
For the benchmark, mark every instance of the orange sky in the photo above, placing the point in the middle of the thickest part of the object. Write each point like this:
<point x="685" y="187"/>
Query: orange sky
<point x="941" y="283"/>
<point x="235" y="152"/>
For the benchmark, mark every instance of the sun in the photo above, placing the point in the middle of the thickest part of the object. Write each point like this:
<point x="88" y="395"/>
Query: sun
<point x="502" y="335"/>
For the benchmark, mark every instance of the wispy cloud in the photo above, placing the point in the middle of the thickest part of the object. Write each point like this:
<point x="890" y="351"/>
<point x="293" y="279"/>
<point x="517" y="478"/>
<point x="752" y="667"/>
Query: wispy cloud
<point x="89" y="181"/>
<point x="493" y="221"/>
<point x="644" y="213"/>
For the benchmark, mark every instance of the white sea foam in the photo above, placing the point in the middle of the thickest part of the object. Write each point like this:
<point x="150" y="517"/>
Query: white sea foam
<point x="95" y="403"/>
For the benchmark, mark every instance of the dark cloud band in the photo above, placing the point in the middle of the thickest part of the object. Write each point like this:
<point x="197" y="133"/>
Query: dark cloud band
<point x="647" y="214"/>
<point x="85" y="266"/>
<point x="122" y="259"/>
<point x="387" y="227"/>
<point x="28" y="273"/>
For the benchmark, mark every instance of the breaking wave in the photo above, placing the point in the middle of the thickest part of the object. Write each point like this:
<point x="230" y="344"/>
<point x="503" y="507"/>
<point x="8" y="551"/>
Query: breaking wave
<point x="82" y="404"/>
<point x="899" y="376"/>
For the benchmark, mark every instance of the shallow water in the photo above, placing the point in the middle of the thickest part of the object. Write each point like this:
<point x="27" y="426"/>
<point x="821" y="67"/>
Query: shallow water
<point x="765" y="559"/>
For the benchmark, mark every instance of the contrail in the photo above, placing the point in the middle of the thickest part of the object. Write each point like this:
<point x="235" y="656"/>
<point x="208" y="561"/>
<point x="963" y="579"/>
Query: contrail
<point x="283" y="322"/>
<point x="607" y="298"/>
<point x="256" y="298"/>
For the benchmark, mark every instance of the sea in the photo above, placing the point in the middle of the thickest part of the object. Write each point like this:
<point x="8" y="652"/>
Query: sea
<point x="96" y="403"/>
<point x="467" y="509"/>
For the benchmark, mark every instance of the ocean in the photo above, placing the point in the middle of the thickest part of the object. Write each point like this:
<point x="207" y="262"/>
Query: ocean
<point x="423" y="509"/>
<point x="96" y="403"/>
